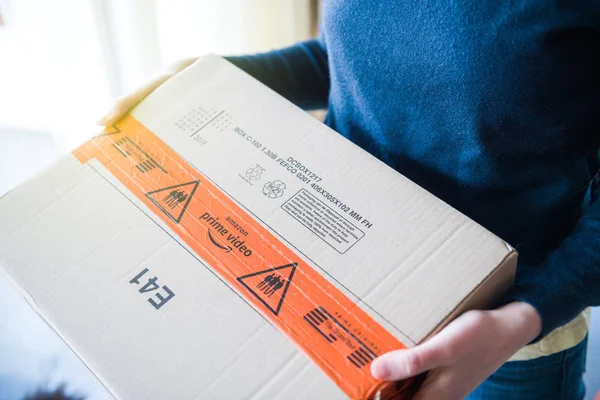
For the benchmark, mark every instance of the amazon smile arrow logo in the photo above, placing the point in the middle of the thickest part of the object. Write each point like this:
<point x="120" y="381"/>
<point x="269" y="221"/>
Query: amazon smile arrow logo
<point x="212" y="239"/>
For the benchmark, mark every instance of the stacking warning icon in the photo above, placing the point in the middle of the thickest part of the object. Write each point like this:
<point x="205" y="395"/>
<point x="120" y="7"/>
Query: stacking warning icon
<point x="110" y="130"/>
<point x="173" y="200"/>
<point x="270" y="286"/>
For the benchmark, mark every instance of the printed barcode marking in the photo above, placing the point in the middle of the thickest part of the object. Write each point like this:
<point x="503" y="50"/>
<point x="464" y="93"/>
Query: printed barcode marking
<point x="332" y="330"/>
<point x="144" y="163"/>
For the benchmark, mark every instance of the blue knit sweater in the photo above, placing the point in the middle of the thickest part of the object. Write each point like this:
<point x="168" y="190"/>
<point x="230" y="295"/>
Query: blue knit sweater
<point x="493" y="106"/>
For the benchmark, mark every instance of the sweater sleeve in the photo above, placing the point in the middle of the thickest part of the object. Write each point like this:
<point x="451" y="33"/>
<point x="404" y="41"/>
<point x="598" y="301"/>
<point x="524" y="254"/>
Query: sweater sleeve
<point x="569" y="279"/>
<point x="299" y="73"/>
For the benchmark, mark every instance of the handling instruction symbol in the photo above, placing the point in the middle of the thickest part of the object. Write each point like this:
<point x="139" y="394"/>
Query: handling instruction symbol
<point x="274" y="190"/>
<point x="173" y="200"/>
<point x="270" y="286"/>
<point x="254" y="173"/>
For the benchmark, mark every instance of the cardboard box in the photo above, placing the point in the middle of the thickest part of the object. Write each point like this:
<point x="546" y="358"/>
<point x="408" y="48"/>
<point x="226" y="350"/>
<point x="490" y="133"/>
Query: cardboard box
<point x="221" y="243"/>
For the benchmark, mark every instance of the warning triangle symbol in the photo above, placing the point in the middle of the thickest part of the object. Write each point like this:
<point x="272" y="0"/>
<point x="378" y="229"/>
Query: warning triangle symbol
<point x="110" y="130"/>
<point x="270" y="286"/>
<point x="173" y="200"/>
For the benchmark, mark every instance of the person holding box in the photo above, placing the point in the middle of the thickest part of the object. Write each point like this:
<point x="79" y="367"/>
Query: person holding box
<point x="494" y="107"/>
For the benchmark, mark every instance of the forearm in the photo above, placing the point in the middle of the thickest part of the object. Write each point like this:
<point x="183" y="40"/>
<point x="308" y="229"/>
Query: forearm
<point x="299" y="73"/>
<point x="521" y="320"/>
<point x="569" y="280"/>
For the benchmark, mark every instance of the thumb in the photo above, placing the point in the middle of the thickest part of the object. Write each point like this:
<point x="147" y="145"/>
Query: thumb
<point x="126" y="103"/>
<point x="402" y="364"/>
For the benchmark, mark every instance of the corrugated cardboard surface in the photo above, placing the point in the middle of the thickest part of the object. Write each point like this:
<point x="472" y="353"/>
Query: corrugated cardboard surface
<point x="73" y="237"/>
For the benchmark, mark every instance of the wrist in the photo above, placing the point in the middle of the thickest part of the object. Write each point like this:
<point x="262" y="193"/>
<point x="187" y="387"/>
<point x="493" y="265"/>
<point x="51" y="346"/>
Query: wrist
<point x="521" y="319"/>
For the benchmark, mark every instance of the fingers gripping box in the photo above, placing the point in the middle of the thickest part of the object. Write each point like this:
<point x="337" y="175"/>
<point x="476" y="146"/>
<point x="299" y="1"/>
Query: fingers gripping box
<point x="218" y="242"/>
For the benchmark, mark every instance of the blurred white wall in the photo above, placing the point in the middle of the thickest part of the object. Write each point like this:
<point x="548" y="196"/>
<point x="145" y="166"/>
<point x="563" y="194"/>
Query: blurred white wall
<point x="193" y="27"/>
<point x="52" y="75"/>
<point x="61" y="64"/>
<point x="63" y="61"/>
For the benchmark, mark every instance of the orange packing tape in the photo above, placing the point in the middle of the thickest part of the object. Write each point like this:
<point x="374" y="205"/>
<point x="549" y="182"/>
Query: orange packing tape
<point x="319" y="319"/>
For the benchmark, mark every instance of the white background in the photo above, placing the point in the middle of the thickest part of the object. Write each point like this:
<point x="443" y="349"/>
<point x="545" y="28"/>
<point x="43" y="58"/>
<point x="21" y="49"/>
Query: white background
<point x="61" y="64"/>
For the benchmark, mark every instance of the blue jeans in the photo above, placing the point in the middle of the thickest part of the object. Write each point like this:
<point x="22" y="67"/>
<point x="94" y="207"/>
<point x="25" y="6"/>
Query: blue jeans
<point x="555" y="377"/>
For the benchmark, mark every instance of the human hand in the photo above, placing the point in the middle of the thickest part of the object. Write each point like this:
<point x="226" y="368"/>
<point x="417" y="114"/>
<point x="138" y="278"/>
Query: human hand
<point x="464" y="353"/>
<point x="127" y="102"/>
